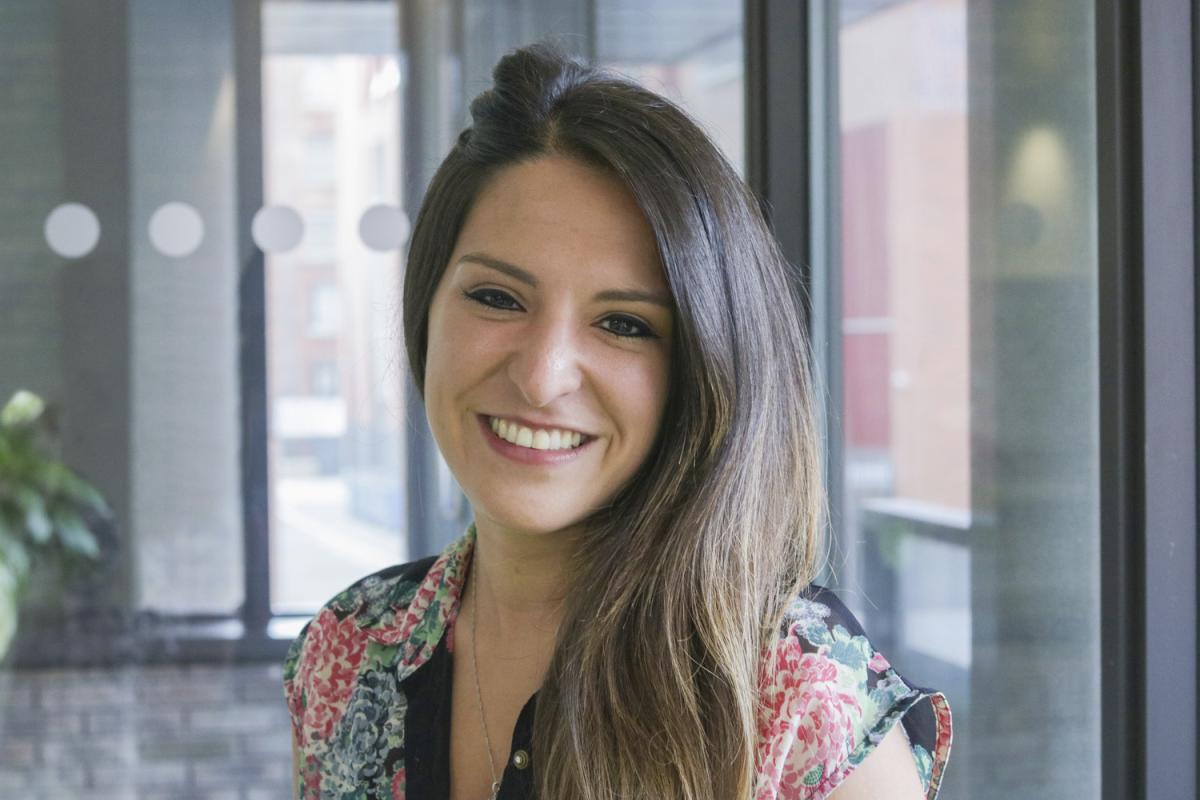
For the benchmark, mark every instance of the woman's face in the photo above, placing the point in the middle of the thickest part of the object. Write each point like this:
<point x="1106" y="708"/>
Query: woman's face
<point x="553" y="320"/>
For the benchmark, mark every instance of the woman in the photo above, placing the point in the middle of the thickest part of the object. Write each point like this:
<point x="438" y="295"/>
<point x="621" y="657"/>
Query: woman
<point x="612" y="357"/>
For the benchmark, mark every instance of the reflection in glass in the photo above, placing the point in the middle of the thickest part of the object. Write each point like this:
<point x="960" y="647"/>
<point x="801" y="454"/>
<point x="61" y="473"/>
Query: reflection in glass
<point x="969" y="536"/>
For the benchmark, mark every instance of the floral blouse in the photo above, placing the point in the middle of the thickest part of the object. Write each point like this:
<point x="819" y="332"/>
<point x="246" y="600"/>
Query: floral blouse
<point x="367" y="683"/>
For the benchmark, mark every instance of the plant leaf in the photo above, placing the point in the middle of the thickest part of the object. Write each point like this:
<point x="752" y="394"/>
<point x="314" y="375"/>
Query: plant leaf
<point x="13" y="552"/>
<point x="74" y="535"/>
<point x="9" y="591"/>
<point x="23" y="408"/>
<point x="47" y="475"/>
<point x="37" y="523"/>
<point x="83" y="493"/>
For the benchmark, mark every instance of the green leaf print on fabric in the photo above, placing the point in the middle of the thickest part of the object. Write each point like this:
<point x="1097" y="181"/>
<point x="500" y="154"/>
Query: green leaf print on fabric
<point x="808" y="617"/>
<point x="924" y="765"/>
<point x="374" y="600"/>
<point x="889" y="691"/>
<point x="853" y="651"/>
<point x="379" y="656"/>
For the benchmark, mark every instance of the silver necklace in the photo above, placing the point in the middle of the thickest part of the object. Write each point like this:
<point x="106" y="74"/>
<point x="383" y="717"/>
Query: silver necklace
<point x="475" y="668"/>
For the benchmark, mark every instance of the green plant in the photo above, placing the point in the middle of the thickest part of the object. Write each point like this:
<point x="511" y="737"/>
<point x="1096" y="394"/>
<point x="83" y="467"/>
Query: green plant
<point x="45" y="508"/>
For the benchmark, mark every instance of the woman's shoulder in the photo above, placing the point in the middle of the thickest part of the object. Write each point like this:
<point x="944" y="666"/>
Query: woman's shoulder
<point x="392" y="618"/>
<point x="354" y="637"/>
<point x="817" y="619"/>
<point x="372" y="604"/>
<point x="341" y="669"/>
<point x="828" y="699"/>
<point x="376" y="599"/>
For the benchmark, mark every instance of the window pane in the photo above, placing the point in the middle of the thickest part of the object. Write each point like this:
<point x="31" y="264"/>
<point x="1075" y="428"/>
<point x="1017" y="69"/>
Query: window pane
<point x="969" y="538"/>
<point x="331" y="118"/>
<point x="185" y="471"/>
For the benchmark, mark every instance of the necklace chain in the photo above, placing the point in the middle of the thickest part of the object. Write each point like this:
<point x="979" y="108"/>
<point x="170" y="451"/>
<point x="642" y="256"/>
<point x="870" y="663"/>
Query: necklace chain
<point x="475" y="668"/>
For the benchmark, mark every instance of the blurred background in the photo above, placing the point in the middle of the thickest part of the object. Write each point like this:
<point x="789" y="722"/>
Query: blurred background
<point x="204" y="211"/>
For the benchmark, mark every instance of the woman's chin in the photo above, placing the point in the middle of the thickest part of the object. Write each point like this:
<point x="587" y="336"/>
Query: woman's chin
<point x="521" y="521"/>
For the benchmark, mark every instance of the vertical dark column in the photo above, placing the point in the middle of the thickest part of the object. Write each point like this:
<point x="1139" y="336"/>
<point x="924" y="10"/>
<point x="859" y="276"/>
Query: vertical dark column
<point x="252" y="323"/>
<point x="1146" y="62"/>
<point x="792" y="134"/>
<point x="424" y="134"/>
<point x="95" y="300"/>
<point x="1122" y="464"/>
<point x="777" y="121"/>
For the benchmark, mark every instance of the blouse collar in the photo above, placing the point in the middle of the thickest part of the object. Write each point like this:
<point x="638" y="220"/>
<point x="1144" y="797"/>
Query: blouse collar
<point x="432" y="609"/>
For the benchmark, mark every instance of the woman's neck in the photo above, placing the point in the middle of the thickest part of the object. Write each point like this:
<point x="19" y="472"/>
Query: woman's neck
<point x="520" y="580"/>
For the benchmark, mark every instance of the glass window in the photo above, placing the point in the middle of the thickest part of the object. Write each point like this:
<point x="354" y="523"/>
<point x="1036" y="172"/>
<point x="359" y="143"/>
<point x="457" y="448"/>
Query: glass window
<point x="968" y="538"/>
<point x="331" y="143"/>
<point x="184" y="529"/>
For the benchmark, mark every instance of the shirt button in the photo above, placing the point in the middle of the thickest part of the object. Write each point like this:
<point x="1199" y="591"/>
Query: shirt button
<point x="520" y="759"/>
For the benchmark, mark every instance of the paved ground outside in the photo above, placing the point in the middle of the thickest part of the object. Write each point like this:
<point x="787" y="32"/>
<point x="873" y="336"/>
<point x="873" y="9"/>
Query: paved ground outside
<point x="319" y="547"/>
<point x="145" y="733"/>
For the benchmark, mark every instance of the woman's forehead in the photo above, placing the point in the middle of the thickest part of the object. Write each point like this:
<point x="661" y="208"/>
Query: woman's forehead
<point x="556" y="214"/>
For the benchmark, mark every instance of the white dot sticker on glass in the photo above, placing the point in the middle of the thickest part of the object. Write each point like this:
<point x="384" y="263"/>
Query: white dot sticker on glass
<point x="72" y="230"/>
<point x="277" y="229"/>
<point x="176" y="230"/>
<point x="383" y="227"/>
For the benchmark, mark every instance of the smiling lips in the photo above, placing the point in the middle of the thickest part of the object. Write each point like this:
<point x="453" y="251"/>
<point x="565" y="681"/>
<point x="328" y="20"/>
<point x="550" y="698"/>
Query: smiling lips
<point x="536" y="438"/>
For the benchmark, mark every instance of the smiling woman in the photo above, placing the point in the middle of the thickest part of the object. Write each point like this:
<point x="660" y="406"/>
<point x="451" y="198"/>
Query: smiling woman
<point x="613" y="360"/>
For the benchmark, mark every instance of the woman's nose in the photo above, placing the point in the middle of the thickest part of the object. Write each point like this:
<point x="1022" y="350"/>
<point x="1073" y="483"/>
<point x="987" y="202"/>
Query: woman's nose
<point x="546" y="365"/>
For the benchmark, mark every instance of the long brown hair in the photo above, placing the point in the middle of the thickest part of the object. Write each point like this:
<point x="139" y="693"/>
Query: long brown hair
<point x="682" y="579"/>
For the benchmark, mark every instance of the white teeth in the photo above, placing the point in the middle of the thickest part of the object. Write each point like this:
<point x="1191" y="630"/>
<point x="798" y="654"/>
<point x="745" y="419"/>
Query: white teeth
<point x="536" y="439"/>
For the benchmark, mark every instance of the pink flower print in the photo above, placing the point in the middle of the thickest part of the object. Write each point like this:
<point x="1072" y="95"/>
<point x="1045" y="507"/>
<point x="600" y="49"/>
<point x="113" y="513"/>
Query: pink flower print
<point x="398" y="781"/>
<point x="878" y="663"/>
<point x="825" y="736"/>
<point x="806" y="721"/>
<point x="310" y="773"/>
<point x="328" y="675"/>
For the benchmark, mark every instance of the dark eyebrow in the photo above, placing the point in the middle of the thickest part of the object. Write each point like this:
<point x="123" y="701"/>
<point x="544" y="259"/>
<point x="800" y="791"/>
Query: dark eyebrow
<point x="622" y="295"/>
